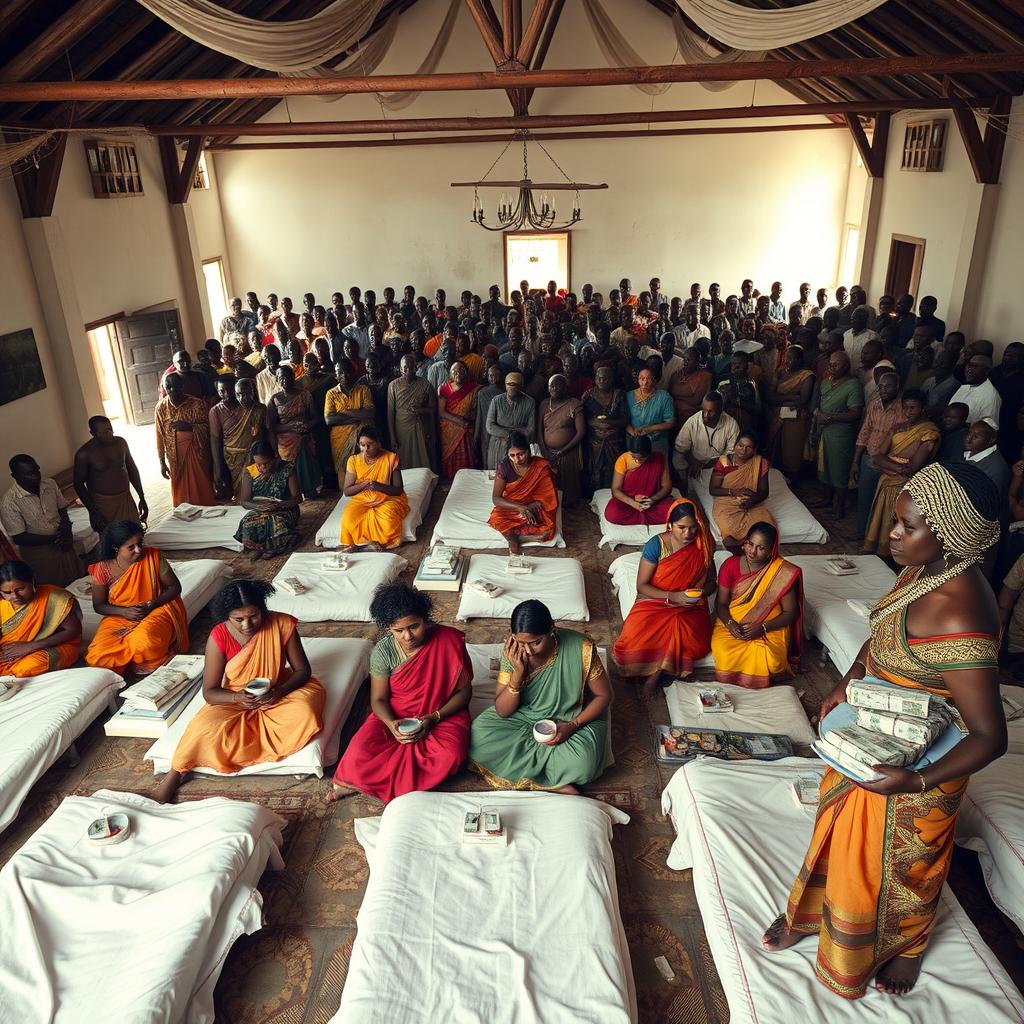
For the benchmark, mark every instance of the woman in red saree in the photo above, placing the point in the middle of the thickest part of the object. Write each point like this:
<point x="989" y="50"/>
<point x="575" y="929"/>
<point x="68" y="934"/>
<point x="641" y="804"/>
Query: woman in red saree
<point x="418" y="670"/>
<point x="525" y="499"/>
<point x="456" y="409"/>
<point x="669" y="626"/>
<point x="758" y="628"/>
<point x="139" y="597"/>
<point x="40" y="626"/>
<point x="641" y="486"/>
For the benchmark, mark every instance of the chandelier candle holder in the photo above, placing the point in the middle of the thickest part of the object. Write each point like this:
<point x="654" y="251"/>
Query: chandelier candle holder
<point x="529" y="203"/>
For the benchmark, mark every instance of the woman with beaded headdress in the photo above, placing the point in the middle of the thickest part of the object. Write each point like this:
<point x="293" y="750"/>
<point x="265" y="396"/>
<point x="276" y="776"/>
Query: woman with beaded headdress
<point x="880" y="851"/>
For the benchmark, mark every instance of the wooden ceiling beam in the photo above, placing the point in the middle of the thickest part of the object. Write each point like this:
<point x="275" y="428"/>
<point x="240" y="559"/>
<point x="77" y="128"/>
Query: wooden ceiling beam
<point x="873" y="152"/>
<point x="486" y="25"/>
<point x="744" y="71"/>
<point x="446" y="140"/>
<point x="531" y="34"/>
<point x="985" y="151"/>
<point x="10" y="13"/>
<point x="988" y="27"/>
<point x="545" y="44"/>
<point x="58" y="37"/>
<point x="36" y="184"/>
<point x="178" y="180"/>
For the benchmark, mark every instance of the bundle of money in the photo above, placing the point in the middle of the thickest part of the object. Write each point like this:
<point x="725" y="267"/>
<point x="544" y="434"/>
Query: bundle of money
<point x="862" y="694"/>
<point x="923" y="731"/>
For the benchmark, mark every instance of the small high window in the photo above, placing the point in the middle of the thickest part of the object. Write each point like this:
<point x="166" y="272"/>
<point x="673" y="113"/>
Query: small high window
<point x="114" y="169"/>
<point x="924" y="144"/>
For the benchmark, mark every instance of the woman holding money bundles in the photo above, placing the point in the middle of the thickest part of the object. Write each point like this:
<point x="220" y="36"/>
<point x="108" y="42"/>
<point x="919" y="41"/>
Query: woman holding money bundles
<point x="880" y="851"/>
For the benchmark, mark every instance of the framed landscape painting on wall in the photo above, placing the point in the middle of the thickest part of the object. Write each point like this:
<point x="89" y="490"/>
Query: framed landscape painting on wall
<point x="21" y="372"/>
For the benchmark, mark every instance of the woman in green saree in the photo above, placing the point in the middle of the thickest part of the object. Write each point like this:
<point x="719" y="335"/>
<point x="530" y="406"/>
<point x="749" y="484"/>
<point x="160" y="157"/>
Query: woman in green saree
<point x="545" y="673"/>
<point x="836" y="422"/>
<point x="269" y="489"/>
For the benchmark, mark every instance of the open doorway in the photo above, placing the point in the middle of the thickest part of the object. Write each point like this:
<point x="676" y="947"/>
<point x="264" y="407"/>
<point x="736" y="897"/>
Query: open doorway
<point x="109" y="375"/>
<point x="216" y="290"/>
<point x="536" y="257"/>
<point x="906" y="255"/>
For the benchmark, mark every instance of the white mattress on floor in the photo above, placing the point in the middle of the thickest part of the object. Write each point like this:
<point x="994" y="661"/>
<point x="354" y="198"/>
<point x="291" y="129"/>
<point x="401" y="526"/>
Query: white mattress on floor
<point x="463" y="519"/>
<point x="827" y="616"/>
<point x="991" y="823"/>
<point x="739" y="829"/>
<point x="419" y="486"/>
<point x="173" y="534"/>
<point x="341" y="664"/>
<point x="84" y="536"/>
<point x="201" y="579"/>
<point x="137" y="932"/>
<point x="776" y="709"/>
<point x="335" y="596"/>
<point x="41" y="721"/>
<point x="526" y="932"/>
<point x="1014" y="728"/>
<point x="796" y="524"/>
<point x="614" y="534"/>
<point x="558" y="582"/>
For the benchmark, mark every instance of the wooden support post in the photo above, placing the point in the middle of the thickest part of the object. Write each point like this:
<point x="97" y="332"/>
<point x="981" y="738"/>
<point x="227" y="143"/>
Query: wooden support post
<point x="37" y="184"/>
<point x="531" y="34"/>
<point x="483" y="15"/>
<point x="178" y="180"/>
<point x="873" y="152"/>
<point x="985" y="152"/>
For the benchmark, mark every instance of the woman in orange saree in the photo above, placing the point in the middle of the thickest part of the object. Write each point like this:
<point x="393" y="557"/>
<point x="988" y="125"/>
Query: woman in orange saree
<point x="525" y="499"/>
<point x="758" y="628"/>
<point x="373" y="516"/>
<point x="40" y="627"/>
<point x="739" y="486"/>
<point x="139" y="597"/>
<point x="456" y="408"/>
<point x="880" y="851"/>
<point x="669" y="627"/>
<point x="789" y="418"/>
<point x="235" y="729"/>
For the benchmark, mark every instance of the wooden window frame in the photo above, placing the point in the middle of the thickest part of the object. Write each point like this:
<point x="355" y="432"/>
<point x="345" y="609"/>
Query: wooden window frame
<point x="921" y="152"/>
<point x="505" y="235"/>
<point x="113" y="161"/>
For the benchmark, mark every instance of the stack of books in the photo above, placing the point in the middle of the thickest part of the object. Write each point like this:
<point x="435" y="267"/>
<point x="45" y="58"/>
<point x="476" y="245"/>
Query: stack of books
<point x="152" y="705"/>
<point x="840" y="566"/>
<point x="337" y="561"/>
<point x="292" y="585"/>
<point x="441" y="569"/>
<point x="884" y="725"/>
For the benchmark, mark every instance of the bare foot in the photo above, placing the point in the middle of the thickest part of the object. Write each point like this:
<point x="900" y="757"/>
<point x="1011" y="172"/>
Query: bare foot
<point x="570" y="789"/>
<point x="778" y="937"/>
<point x="899" y="975"/>
<point x="650" y="688"/>
<point x="514" y="547"/>
<point x="347" y="549"/>
<point x="374" y="546"/>
<point x="167" y="790"/>
<point x="337" y="792"/>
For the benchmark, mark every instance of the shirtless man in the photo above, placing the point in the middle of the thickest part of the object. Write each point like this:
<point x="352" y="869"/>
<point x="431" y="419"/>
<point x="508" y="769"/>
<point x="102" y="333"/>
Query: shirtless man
<point x="104" y="468"/>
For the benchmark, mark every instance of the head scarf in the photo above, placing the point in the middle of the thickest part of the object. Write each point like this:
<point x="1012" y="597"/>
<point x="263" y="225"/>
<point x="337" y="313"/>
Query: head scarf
<point x="705" y="542"/>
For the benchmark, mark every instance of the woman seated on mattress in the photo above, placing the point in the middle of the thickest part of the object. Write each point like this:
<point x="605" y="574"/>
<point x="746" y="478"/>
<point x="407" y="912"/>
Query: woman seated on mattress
<point x="739" y="485"/>
<point x="372" y="518"/>
<point x="40" y="626"/>
<point x="641" y="486"/>
<point x="757" y="634"/>
<point x="235" y="729"/>
<point x="417" y="731"/>
<point x="545" y="674"/>
<point x="270" y="490"/>
<point x="669" y="626"/>
<point x="525" y="498"/>
<point x="139" y="597"/>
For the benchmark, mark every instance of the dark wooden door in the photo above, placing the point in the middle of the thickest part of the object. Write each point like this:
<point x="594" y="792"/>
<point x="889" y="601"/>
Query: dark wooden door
<point x="145" y="345"/>
<point x="904" y="271"/>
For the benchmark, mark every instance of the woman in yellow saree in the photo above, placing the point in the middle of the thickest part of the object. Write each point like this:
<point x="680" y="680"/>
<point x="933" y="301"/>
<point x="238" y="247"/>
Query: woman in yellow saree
<point x="347" y="407"/>
<point x="373" y="517"/>
<point x="789" y="418"/>
<point x="913" y="445"/>
<point x="758" y="627"/>
<point x="40" y="627"/>
<point x="139" y="597"/>
<point x="739" y="485"/>
<point x="235" y="729"/>
<point x="880" y="851"/>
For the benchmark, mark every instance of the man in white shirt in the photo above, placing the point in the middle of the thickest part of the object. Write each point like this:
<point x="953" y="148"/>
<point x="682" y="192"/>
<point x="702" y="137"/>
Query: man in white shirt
<point x="979" y="393"/>
<point x="358" y="331"/>
<point x="858" y="335"/>
<point x="704" y="438"/>
<point x="690" y="330"/>
<point x="747" y="304"/>
<point x="776" y="307"/>
<point x="803" y="304"/>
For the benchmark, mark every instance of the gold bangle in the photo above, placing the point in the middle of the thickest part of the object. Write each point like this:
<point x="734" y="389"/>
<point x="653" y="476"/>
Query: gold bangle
<point x="436" y="716"/>
<point x="924" y="784"/>
<point x="511" y="688"/>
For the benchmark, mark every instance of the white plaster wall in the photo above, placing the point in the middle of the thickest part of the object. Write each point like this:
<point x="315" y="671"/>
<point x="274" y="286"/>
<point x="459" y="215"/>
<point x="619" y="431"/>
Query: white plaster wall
<point x="697" y="208"/>
<point x="35" y="423"/>
<point x="1001" y="312"/>
<point x="209" y="223"/>
<point x="121" y="249"/>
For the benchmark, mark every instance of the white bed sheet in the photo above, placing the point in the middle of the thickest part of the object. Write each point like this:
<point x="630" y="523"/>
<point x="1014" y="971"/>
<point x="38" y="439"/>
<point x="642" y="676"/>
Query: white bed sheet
<point x="991" y="822"/>
<point x="827" y="616"/>
<point x="558" y="582"/>
<point x="419" y="486"/>
<point x="41" y="721"/>
<point x="335" y="596"/>
<point x="1014" y="729"/>
<point x="173" y="534"/>
<point x="137" y="932"/>
<point x="84" y="536"/>
<point x="612" y="534"/>
<point x="464" y="515"/>
<point x="201" y="579"/>
<point x="742" y="876"/>
<point x="533" y="934"/>
<point x="340" y="664"/>
<point x="796" y="524"/>
<point x="776" y="709"/>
